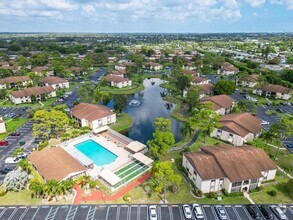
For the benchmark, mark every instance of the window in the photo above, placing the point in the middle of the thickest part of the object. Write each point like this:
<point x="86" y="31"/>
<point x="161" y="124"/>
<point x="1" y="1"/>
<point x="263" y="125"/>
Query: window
<point x="245" y="182"/>
<point x="194" y="173"/>
<point x="187" y="170"/>
<point x="236" y="184"/>
<point x="253" y="181"/>
<point x="219" y="133"/>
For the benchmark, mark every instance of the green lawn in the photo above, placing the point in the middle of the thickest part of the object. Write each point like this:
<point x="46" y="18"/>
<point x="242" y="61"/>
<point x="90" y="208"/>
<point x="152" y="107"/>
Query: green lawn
<point x="12" y="125"/>
<point x="47" y="104"/>
<point x="125" y="91"/>
<point x="122" y="123"/>
<point x="178" y="113"/>
<point x="281" y="197"/>
<point x="200" y="142"/>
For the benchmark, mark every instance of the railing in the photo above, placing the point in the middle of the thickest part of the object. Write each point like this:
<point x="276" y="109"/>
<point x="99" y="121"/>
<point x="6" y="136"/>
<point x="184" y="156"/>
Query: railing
<point x="65" y="143"/>
<point x="115" y="133"/>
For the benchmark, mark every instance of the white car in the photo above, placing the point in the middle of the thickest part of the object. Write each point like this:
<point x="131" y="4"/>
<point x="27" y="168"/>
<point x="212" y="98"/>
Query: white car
<point x="12" y="160"/>
<point x="153" y="212"/>
<point x="187" y="211"/>
<point x="278" y="212"/>
<point x="265" y="122"/>
<point x="197" y="211"/>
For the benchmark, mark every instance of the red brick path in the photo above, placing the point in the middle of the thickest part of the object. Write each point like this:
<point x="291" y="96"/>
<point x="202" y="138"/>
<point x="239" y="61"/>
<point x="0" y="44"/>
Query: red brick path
<point x="99" y="196"/>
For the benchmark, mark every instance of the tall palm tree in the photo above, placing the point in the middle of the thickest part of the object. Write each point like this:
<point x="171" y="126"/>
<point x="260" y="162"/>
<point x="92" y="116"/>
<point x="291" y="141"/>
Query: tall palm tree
<point x="36" y="188"/>
<point x="51" y="188"/>
<point x="24" y="165"/>
<point x="186" y="129"/>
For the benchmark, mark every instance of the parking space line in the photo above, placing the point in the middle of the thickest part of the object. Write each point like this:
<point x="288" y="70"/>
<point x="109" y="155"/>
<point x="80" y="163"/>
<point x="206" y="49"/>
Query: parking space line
<point x="180" y="211"/>
<point x="52" y="213"/>
<point x="138" y="213"/>
<point x="23" y="214"/>
<point x="12" y="214"/>
<point x="91" y="212"/>
<point x="236" y="213"/>
<point x="36" y="212"/>
<point x="171" y="212"/>
<point x="214" y="212"/>
<point x="246" y="212"/>
<point x="72" y="212"/>
<point x="117" y="212"/>
<point x="159" y="212"/>
<point x="107" y="212"/>
<point x="226" y="213"/>
<point x="204" y="213"/>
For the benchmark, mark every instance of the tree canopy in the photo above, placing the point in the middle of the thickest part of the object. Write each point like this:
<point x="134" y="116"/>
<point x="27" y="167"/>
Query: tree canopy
<point x="225" y="87"/>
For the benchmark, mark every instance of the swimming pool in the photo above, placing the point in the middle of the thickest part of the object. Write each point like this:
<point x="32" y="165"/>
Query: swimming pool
<point x="97" y="153"/>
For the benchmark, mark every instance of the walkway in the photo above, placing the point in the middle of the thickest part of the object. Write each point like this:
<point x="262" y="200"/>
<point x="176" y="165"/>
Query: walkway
<point x="193" y="140"/>
<point x="246" y="195"/>
<point x="99" y="196"/>
<point x="283" y="171"/>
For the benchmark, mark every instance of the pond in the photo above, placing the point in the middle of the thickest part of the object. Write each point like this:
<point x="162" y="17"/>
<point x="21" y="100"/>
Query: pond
<point x="151" y="106"/>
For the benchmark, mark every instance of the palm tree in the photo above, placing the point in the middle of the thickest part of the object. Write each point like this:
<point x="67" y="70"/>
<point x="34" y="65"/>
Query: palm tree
<point x="36" y="188"/>
<point x="186" y="129"/>
<point x="51" y="188"/>
<point x="85" y="180"/>
<point x="24" y="165"/>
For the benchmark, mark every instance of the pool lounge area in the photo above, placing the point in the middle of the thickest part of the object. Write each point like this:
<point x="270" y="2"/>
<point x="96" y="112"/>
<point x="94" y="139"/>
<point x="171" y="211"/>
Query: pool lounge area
<point x="109" y="156"/>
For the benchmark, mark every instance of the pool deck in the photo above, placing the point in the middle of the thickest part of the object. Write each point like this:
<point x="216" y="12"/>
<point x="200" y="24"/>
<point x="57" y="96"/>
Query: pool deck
<point x="122" y="159"/>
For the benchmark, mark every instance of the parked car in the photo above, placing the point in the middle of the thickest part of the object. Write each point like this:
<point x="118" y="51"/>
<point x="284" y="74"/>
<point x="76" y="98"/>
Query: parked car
<point x="280" y="110"/>
<point x="221" y="212"/>
<point x="267" y="213"/>
<point x="197" y="211"/>
<point x="265" y="122"/>
<point x="5" y="171"/>
<point x="12" y="160"/>
<point x="4" y="143"/>
<point x="187" y="211"/>
<point x="290" y="145"/>
<point x="278" y="212"/>
<point x="153" y="212"/>
<point x="254" y="212"/>
<point x="15" y="134"/>
<point x="268" y="104"/>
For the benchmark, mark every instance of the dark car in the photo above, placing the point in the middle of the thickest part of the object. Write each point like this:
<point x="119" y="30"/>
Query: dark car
<point x="267" y="213"/>
<point x="15" y="134"/>
<point x="5" y="171"/>
<point x="254" y="212"/>
<point x="268" y="103"/>
<point x="3" y="143"/>
<point x="290" y="145"/>
<point x="280" y="110"/>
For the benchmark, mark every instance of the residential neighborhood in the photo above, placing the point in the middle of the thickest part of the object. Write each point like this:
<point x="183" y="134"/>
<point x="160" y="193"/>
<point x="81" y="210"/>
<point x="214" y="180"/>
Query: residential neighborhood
<point x="123" y="126"/>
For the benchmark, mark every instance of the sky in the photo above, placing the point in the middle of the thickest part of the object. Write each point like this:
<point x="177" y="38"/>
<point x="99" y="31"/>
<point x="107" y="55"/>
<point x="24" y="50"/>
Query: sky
<point x="146" y="16"/>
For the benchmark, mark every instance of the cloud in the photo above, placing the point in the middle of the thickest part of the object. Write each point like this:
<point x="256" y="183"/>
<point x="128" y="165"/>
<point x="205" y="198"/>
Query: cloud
<point x="287" y="3"/>
<point x="255" y="3"/>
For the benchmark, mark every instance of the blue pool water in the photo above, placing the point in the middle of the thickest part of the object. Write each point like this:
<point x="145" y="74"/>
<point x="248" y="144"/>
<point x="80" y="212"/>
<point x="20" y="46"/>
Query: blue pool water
<point x="98" y="154"/>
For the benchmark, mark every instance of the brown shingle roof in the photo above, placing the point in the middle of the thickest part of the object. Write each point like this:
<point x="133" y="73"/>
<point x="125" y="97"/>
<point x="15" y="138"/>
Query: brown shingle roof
<point x="241" y="124"/>
<point x="152" y="64"/>
<point x="229" y="67"/>
<point x="207" y="88"/>
<point x="198" y="79"/>
<point x="54" y="163"/>
<point x="235" y="163"/>
<point x="14" y="79"/>
<point x="90" y="112"/>
<point x="276" y="89"/>
<point x="189" y="72"/>
<point x="250" y="78"/>
<point x="53" y="80"/>
<point x="115" y="79"/>
<point x="219" y="101"/>
<point x="38" y="90"/>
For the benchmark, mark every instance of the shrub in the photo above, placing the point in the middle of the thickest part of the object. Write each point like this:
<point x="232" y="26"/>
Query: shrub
<point x="198" y="193"/>
<point x="211" y="195"/>
<point x="272" y="192"/>
<point x="2" y="192"/>
<point x="93" y="183"/>
<point x="43" y="144"/>
<point x="127" y="197"/>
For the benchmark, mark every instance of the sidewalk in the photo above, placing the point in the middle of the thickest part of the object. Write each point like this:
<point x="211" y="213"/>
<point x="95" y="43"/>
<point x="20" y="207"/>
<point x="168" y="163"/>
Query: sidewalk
<point x="99" y="196"/>
<point x="246" y="195"/>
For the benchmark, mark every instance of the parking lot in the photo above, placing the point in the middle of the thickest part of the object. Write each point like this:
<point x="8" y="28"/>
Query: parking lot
<point x="18" y="111"/>
<point x="25" y="135"/>
<point x="119" y="212"/>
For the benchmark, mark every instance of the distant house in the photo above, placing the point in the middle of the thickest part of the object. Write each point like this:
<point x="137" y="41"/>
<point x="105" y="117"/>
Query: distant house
<point x="238" y="128"/>
<point x="112" y="59"/>
<point x="152" y="66"/>
<point x="93" y="116"/>
<point x="120" y="73"/>
<point x="55" y="82"/>
<point x="122" y="66"/>
<point x="2" y="125"/>
<point x="54" y="163"/>
<point x="248" y="81"/>
<point x="275" y="91"/>
<point x="234" y="169"/>
<point x="197" y="80"/>
<point x="4" y="64"/>
<point x="222" y="104"/>
<point x="228" y="69"/>
<point x="206" y="90"/>
<point x="15" y="82"/>
<point x="33" y="94"/>
<point x="189" y="66"/>
<point x="118" y="81"/>
<point x="190" y="72"/>
<point x="39" y="70"/>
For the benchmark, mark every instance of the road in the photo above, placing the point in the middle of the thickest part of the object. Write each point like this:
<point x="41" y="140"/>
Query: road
<point x="94" y="78"/>
<point x="118" y="212"/>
